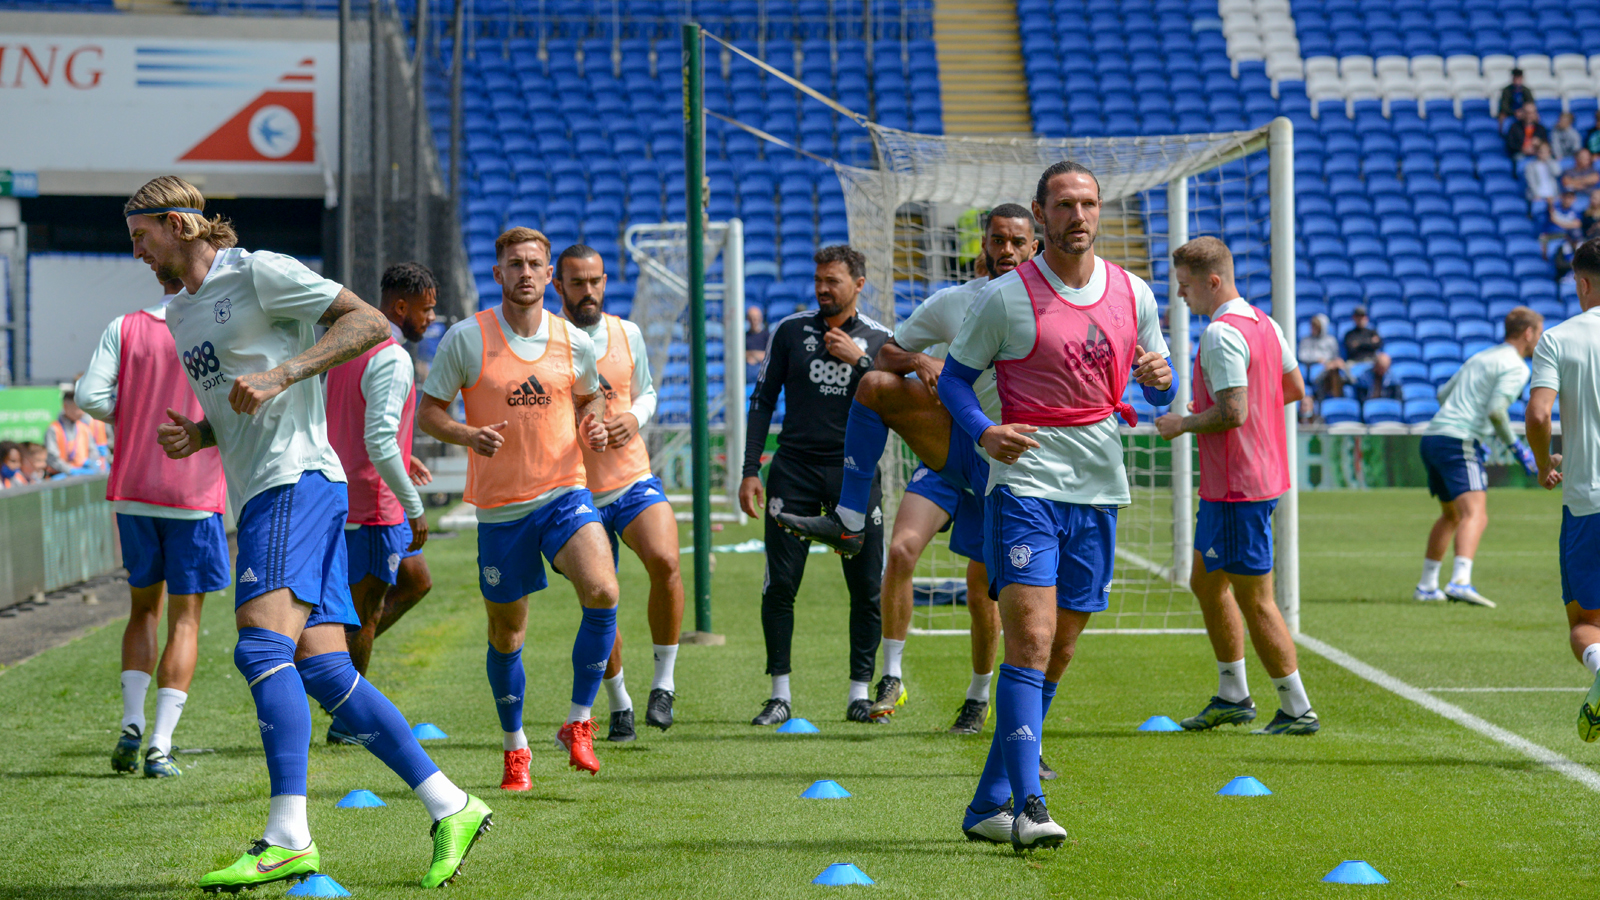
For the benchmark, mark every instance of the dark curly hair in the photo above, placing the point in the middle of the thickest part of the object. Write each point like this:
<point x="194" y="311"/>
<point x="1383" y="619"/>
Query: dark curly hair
<point x="843" y="253"/>
<point x="407" y="279"/>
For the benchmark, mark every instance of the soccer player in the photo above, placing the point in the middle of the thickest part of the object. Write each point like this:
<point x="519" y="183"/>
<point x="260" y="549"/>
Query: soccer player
<point x="816" y="359"/>
<point x="243" y="326"/>
<point x="1472" y="406"/>
<point x="1244" y="375"/>
<point x="531" y="391"/>
<point x="632" y="502"/>
<point x="169" y="516"/>
<point x="1566" y="361"/>
<point x="1063" y="331"/>
<point x="371" y="418"/>
<point x="887" y="400"/>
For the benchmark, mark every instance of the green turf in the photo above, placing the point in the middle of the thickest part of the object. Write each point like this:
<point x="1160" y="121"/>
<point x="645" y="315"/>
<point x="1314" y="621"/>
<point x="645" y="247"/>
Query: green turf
<point x="711" y="809"/>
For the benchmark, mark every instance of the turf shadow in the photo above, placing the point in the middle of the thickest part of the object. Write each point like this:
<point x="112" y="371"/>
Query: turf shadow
<point x="1512" y="765"/>
<point x="92" y="892"/>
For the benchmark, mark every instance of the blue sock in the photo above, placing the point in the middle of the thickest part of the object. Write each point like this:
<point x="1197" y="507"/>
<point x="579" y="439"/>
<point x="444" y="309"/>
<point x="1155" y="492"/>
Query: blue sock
<point x="1049" y="698"/>
<point x="1019" y="717"/>
<point x="335" y="683"/>
<point x="994" y="786"/>
<point x="266" y="660"/>
<point x="509" y="684"/>
<point x="590" y="650"/>
<point x="864" y="438"/>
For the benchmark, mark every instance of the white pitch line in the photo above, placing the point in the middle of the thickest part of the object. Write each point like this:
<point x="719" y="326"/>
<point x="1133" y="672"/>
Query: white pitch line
<point x="1503" y="690"/>
<point x="1540" y="754"/>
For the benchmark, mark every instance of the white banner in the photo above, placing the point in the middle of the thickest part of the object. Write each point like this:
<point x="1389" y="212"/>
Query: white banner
<point x="110" y="104"/>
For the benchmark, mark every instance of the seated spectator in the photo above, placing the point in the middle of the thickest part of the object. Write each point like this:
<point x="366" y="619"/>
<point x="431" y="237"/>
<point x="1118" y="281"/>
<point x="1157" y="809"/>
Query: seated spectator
<point x="1565" y="220"/>
<point x="1522" y="134"/>
<point x="755" y="342"/>
<point x="1513" y="97"/>
<point x="1564" y="139"/>
<point x="1582" y="176"/>
<point x="1591" y="139"/>
<point x="1543" y="174"/>
<point x="1320" y="347"/>
<point x="1589" y="221"/>
<point x="35" y="462"/>
<point x="1363" y="352"/>
<point x="11" y="465"/>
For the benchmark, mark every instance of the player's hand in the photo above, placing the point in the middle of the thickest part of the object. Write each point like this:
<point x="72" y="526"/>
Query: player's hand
<point x="842" y="346"/>
<point x="621" y="429"/>
<point x="928" y="370"/>
<point x="251" y="392"/>
<point x="1170" y="425"/>
<point x="1007" y="443"/>
<point x="419" y="473"/>
<point x="1151" y="369"/>
<point x="1551" y="477"/>
<point x="487" y="440"/>
<point x="180" y="437"/>
<point x="750" y="499"/>
<point x="419" y="533"/>
<point x="593" y="432"/>
<point x="1524" y="455"/>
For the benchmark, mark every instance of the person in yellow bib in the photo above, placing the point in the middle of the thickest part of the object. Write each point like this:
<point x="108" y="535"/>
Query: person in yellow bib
<point x="532" y="395"/>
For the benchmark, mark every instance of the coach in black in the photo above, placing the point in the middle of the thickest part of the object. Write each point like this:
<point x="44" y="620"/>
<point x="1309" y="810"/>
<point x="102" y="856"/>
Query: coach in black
<point x="816" y="358"/>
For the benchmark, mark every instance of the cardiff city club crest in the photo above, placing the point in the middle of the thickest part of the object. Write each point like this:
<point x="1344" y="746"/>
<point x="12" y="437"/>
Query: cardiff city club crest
<point x="223" y="309"/>
<point x="277" y="126"/>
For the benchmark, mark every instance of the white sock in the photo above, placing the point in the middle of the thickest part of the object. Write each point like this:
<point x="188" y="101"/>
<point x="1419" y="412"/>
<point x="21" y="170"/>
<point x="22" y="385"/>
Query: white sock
<point x="850" y="519"/>
<point x="892" y="651"/>
<point x="440" y="795"/>
<point x="1462" y="574"/>
<point x="860" y="690"/>
<point x="514" y="740"/>
<point x="169" y="706"/>
<point x="1292" y="694"/>
<point x="1591" y="658"/>
<point x="979" y="688"/>
<point x="666" y="656"/>
<point x="617" y="693"/>
<point x="577" y="713"/>
<point x="286" y="823"/>
<point x="1232" y="684"/>
<point x="780" y="687"/>
<point x="134" y="685"/>
<point x="1430" y="574"/>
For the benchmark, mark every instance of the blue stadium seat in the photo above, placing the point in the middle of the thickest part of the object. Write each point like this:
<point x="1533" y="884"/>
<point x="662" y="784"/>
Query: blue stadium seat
<point x="1419" y="411"/>
<point x="1380" y="410"/>
<point x="1409" y="371"/>
<point x="1402" y="349"/>
<point x="1441" y="350"/>
<point x="1441" y="371"/>
<point x="1339" y="410"/>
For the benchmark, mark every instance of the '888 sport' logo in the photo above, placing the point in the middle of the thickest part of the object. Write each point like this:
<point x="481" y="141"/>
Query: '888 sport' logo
<point x="830" y="377"/>
<point x="203" y="366"/>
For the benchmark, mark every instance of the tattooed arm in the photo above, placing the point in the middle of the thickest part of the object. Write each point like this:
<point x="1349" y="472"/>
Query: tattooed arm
<point x="354" y="327"/>
<point x="1232" y="409"/>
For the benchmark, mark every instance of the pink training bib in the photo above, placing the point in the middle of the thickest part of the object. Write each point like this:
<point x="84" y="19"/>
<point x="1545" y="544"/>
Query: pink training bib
<point x="371" y="501"/>
<point x="1250" y="462"/>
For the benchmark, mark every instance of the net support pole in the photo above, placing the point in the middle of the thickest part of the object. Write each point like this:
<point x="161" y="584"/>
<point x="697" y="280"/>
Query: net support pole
<point x="375" y="88"/>
<point x="457" y="47"/>
<point x="1183" y="445"/>
<point x="346" y="179"/>
<point x="1280" y="149"/>
<point x="733" y="343"/>
<point x="419" y="133"/>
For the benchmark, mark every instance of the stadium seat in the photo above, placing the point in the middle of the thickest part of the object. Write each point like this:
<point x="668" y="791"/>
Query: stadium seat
<point x="1379" y="410"/>
<point x="1339" y="410"/>
<point x="1419" y="411"/>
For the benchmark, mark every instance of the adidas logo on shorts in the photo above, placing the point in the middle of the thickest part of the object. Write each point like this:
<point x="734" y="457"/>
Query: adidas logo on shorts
<point x="1211" y="553"/>
<point x="1022" y="734"/>
<point x="584" y="507"/>
<point x="651" y="492"/>
<point x="248" y="577"/>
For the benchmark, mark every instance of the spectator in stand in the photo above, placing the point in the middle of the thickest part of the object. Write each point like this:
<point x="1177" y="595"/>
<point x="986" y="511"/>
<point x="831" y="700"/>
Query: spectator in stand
<point x="1543" y="174"/>
<point x="1320" y="347"/>
<point x="755" y="342"/>
<point x="1513" y="97"/>
<point x="1363" y="353"/>
<point x="1564" y="138"/>
<point x="11" y="465"/>
<point x="1591" y="139"/>
<point x="1589" y="221"/>
<point x="35" y="462"/>
<point x="1566" y="221"/>
<point x="1524" y="132"/>
<point x="1583" y="175"/>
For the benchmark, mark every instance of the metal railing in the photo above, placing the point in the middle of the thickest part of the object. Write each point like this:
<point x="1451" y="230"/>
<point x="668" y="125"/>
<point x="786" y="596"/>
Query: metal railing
<point x="57" y="533"/>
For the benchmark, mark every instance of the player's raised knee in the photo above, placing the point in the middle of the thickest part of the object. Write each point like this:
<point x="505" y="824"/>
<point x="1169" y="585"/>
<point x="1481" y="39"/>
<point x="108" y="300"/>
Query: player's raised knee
<point x="874" y="386"/>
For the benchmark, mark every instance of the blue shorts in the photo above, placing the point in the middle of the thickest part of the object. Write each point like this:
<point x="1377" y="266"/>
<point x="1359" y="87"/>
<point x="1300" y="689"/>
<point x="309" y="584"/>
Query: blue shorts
<point x="377" y="550"/>
<point x="1454" y="466"/>
<point x="1046" y="543"/>
<point x="292" y="536"/>
<point x="1235" y="537"/>
<point x="617" y="515"/>
<point x="190" y="555"/>
<point x="509" y="567"/>
<point x="965" y="511"/>
<point x="1580" y="559"/>
<point x="965" y="466"/>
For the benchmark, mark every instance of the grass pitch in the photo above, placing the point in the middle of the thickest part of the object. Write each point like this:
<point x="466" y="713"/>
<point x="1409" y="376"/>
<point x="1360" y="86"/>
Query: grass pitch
<point x="711" y="809"/>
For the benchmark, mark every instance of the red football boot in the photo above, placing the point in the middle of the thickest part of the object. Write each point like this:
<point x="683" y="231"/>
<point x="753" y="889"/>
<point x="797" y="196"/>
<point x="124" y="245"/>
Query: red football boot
<point x="578" y="739"/>
<point x="516" y="776"/>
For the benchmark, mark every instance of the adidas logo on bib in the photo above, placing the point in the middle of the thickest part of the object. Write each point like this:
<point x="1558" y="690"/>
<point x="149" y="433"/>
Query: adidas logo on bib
<point x="1022" y="734"/>
<point x="248" y="577"/>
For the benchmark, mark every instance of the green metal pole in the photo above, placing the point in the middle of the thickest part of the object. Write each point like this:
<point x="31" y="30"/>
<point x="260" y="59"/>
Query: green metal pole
<point x="694" y="152"/>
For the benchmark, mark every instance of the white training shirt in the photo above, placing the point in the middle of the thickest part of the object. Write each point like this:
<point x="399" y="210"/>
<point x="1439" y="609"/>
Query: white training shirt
<point x="1488" y="382"/>
<point x="97" y="396"/>
<point x="254" y="312"/>
<point x="1073" y="464"/>
<point x="1224" y="352"/>
<point x="1568" y="360"/>
<point x="459" y="361"/>
<point x="933" y="325"/>
<point x="386" y="385"/>
<point x="642" y="390"/>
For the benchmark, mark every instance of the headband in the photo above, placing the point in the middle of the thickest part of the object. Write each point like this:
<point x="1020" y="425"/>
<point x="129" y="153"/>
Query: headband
<point x="159" y="210"/>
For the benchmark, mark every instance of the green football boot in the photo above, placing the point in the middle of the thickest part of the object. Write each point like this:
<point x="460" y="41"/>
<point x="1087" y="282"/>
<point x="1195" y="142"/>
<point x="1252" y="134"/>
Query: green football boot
<point x="1589" y="714"/>
<point x="160" y="765"/>
<point x="1221" y="712"/>
<point x="1283" y="723"/>
<point x="262" y="864"/>
<point x="453" y="836"/>
<point x="126" y="757"/>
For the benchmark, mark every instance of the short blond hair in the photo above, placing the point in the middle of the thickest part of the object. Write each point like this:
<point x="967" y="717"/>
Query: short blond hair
<point x="170" y="191"/>
<point x="1204" y="256"/>
<point x="519" y="235"/>
<point x="1520" y="319"/>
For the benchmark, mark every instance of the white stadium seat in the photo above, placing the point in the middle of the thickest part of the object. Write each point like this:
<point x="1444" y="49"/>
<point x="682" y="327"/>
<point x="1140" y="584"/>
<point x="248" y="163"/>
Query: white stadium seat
<point x="1432" y="86"/>
<point x="1279" y="43"/>
<point x="1285" y="67"/>
<point x="1570" y="62"/>
<point x="1235" y="25"/>
<point x="1246" y="45"/>
<point x="1461" y="63"/>
<point x="1533" y="64"/>
<point x="1358" y="64"/>
<point x="1427" y="65"/>
<point x="1228" y="7"/>
<point x="1318" y="65"/>
<point x="1393" y="65"/>
<point x="1272" y="6"/>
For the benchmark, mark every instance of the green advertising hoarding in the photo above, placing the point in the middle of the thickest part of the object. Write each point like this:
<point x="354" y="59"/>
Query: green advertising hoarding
<point x="25" y="412"/>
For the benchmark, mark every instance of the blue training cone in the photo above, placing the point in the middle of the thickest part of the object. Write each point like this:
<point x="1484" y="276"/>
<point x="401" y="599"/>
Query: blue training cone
<point x="427" y="731"/>
<point x="1244" y="786"/>
<point x="825" y="790"/>
<point x="797" y="726"/>
<point x="842" y="873"/>
<point x="360" y="800"/>
<point x="1160" y="723"/>
<point x="1354" y="871"/>
<point x="318" y="886"/>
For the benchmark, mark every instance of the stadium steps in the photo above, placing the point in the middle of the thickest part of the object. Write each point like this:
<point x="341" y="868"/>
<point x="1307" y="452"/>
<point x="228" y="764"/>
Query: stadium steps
<point x="981" y="81"/>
